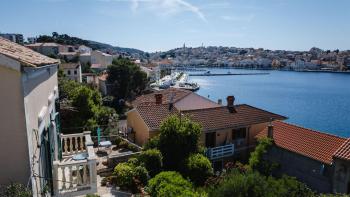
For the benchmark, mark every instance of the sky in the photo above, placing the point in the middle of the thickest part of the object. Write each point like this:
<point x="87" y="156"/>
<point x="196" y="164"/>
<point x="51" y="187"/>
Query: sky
<point x="159" y="25"/>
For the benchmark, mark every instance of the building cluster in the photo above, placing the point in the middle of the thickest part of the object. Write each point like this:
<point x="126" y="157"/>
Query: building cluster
<point x="314" y="59"/>
<point x="40" y="156"/>
<point x="230" y="131"/>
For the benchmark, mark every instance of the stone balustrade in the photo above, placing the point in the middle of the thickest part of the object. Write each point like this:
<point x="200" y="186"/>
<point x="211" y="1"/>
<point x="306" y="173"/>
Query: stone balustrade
<point x="74" y="178"/>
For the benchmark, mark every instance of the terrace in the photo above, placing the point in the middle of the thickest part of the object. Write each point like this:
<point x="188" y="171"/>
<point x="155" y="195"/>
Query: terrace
<point x="75" y="173"/>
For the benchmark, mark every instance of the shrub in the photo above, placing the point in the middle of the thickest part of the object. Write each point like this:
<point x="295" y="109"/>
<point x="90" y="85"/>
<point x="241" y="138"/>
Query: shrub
<point x="141" y="174"/>
<point x="253" y="184"/>
<point x="170" y="183"/>
<point x="198" y="168"/>
<point x="152" y="160"/>
<point x="15" y="190"/>
<point x="133" y="148"/>
<point x="129" y="176"/>
<point x="152" y="143"/>
<point x="118" y="140"/>
<point x="92" y="195"/>
<point x="123" y="144"/>
<point x="256" y="161"/>
<point x="124" y="175"/>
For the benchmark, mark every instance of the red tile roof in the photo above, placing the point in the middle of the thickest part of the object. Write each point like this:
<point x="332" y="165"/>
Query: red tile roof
<point x="208" y="118"/>
<point x="344" y="151"/>
<point x="313" y="144"/>
<point x="153" y="114"/>
<point x="221" y="118"/>
<point x="167" y="93"/>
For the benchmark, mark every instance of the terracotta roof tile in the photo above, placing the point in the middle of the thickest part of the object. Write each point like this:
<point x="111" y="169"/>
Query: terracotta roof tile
<point x="313" y="144"/>
<point x="24" y="55"/>
<point x="220" y="117"/>
<point x="153" y="114"/>
<point x="69" y="65"/>
<point x="344" y="151"/>
<point x="209" y="118"/>
<point x="149" y="98"/>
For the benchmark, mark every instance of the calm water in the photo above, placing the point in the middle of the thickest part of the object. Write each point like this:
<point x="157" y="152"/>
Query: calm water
<point x="319" y="101"/>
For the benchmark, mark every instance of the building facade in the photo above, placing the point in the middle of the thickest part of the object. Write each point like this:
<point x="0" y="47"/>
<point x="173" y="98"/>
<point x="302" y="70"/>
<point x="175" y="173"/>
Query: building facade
<point x="318" y="159"/>
<point x="27" y="116"/>
<point x="17" y="38"/>
<point x="72" y="71"/>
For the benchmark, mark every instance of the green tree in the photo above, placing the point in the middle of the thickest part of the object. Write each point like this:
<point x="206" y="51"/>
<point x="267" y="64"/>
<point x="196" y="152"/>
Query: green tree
<point x="198" y="168"/>
<point x="170" y="183"/>
<point x="152" y="160"/>
<point x="256" y="161"/>
<point x="253" y="184"/>
<point x="127" y="79"/>
<point x="178" y="138"/>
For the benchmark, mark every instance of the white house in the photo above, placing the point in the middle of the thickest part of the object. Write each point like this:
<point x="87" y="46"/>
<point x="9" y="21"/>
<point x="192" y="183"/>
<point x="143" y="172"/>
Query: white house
<point x="33" y="152"/>
<point x="72" y="71"/>
<point x="103" y="59"/>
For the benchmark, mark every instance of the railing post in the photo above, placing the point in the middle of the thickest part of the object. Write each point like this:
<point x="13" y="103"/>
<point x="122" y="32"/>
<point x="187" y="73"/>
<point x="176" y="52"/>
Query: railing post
<point x="55" y="178"/>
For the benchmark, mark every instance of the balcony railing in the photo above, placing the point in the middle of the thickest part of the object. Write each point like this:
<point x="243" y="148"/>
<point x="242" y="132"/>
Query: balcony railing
<point x="75" y="177"/>
<point x="220" y="151"/>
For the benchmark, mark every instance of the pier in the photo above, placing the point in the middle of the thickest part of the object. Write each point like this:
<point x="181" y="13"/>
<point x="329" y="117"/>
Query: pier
<point x="225" y="74"/>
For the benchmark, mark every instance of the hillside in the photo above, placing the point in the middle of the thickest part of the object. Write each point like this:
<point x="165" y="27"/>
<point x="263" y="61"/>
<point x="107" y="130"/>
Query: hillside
<point x="70" y="40"/>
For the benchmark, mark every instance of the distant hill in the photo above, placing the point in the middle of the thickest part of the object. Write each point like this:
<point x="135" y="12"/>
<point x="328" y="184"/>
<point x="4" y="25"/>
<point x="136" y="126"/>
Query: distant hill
<point x="70" y="40"/>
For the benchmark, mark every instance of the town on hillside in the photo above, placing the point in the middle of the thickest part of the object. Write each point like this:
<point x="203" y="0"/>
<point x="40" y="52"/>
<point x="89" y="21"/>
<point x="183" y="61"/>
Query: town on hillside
<point x="79" y="120"/>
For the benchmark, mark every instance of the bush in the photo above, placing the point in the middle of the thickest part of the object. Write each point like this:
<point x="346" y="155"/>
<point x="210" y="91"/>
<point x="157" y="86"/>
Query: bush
<point x="118" y="140"/>
<point x="152" y="143"/>
<point x="253" y="184"/>
<point x="124" y="175"/>
<point x="170" y="183"/>
<point x="152" y="160"/>
<point x="133" y="148"/>
<point x="198" y="168"/>
<point x="256" y="161"/>
<point x="129" y="176"/>
<point x="141" y="174"/>
<point x="123" y="144"/>
<point x="15" y="190"/>
<point x="92" y="195"/>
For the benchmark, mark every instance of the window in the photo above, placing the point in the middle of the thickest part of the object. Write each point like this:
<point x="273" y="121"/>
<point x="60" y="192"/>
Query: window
<point x="238" y="133"/>
<point x="75" y="72"/>
<point x="68" y="72"/>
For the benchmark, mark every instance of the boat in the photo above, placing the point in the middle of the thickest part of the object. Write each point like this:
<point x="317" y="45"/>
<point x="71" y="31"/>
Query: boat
<point x="175" y="80"/>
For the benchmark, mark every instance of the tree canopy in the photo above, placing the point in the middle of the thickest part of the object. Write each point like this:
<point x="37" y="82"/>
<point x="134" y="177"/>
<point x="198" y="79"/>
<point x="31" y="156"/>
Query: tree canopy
<point x="127" y="78"/>
<point x="178" y="139"/>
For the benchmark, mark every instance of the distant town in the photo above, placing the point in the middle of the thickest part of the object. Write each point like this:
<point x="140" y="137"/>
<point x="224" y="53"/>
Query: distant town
<point x="315" y="59"/>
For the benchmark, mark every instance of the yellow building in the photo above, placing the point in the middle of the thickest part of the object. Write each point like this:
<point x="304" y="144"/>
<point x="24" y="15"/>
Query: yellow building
<point x="230" y="128"/>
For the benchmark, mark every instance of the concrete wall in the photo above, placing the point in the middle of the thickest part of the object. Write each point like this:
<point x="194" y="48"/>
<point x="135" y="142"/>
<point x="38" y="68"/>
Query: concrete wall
<point x="341" y="177"/>
<point x="14" y="163"/>
<point x="142" y="133"/>
<point x="76" y="77"/>
<point x="254" y="130"/>
<point x="303" y="168"/>
<point x="38" y="87"/>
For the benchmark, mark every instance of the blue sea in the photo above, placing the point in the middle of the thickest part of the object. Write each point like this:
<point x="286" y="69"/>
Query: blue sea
<point x="319" y="101"/>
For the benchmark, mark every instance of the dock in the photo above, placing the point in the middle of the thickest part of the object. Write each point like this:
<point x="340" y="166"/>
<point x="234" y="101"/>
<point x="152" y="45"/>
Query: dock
<point x="225" y="74"/>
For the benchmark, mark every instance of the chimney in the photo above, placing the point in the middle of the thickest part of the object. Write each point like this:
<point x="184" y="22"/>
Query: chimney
<point x="158" y="98"/>
<point x="270" y="130"/>
<point x="230" y="104"/>
<point x="219" y="101"/>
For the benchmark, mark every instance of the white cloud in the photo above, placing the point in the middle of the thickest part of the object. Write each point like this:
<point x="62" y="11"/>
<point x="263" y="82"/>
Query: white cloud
<point x="166" y="7"/>
<point x="247" y="18"/>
